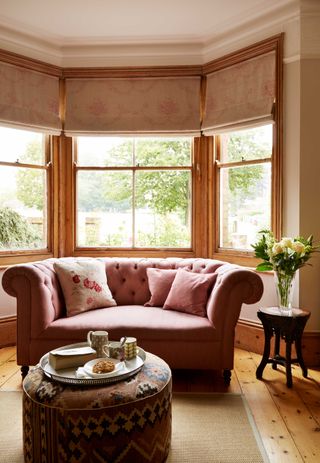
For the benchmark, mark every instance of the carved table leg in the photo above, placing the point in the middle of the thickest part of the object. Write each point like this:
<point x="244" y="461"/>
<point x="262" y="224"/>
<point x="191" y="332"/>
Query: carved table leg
<point x="300" y="358"/>
<point x="266" y="352"/>
<point x="288" y="362"/>
<point x="276" y="349"/>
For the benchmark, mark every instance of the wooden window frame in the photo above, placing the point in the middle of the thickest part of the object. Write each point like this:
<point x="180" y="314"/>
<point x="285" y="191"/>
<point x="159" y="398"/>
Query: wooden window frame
<point x="196" y="174"/>
<point x="10" y="257"/>
<point x="219" y="165"/>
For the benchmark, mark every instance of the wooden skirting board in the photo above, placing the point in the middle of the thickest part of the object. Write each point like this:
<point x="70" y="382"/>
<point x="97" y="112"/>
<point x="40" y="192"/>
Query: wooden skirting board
<point x="8" y="329"/>
<point x="250" y="336"/>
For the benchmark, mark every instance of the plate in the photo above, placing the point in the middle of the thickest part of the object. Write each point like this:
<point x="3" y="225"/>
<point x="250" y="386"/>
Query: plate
<point x="69" y="375"/>
<point x="118" y="366"/>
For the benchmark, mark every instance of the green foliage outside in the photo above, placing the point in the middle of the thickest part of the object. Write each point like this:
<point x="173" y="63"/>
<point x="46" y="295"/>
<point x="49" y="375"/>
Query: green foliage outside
<point x="243" y="186"/>
<point x="15" y="231"/>
<point x="163" y="192"/>
<point x="166" y="193"/>
<point x="243" y="181"/>
<point x="30" y="182"/>
<point x="168" y="233"/>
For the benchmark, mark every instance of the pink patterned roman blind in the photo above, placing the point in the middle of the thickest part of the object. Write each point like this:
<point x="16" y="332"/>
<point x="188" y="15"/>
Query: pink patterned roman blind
<point x="132" y="105"/>
<point x="240" y="94"/>
<point x="29" y="99"/>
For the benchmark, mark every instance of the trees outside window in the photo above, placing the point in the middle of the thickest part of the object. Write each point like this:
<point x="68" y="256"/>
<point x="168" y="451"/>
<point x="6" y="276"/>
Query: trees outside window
<point x="23" y="190"/>
<point x="134" y="192"/>
<point x="244" y="176"/>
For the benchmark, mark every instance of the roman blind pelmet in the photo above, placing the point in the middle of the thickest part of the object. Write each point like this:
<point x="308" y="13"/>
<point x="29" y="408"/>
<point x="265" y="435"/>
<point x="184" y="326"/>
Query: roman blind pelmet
<point x="240" y="94"/>
<point x="148" y="105"/>
<point x="29" y="99"/>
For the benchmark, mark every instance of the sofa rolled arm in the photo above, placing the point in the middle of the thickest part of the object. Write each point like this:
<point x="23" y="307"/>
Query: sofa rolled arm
<point x="38" y="295"/>
<point x="234" y="286"/>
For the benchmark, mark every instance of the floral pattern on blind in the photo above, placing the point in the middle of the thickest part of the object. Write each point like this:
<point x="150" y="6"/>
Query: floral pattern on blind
<point x="133" y="105"/>
<point x="29" y="98"/>
<point x="240" y="93"/>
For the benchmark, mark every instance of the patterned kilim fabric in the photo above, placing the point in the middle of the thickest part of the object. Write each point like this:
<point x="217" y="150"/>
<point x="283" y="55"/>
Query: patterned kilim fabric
<point x="124" y="422"/>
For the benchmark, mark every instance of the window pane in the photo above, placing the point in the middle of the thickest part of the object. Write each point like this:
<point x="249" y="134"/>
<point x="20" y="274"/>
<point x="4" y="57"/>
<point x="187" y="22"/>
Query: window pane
<point x="23" y="215"/>
<point x="104" y="151"/>
<point x="245" y="204"/>
<point x="163" y="209"/>
<point x="104" y="208"/>
<point x="21" y="145"/>
<point x="163" y="152"/>
<point x="248" y="144"/>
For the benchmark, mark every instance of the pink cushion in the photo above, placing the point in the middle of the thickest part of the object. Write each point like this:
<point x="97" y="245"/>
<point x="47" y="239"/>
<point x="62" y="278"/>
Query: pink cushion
<point x="160" y="282"/>
<point x="189" y="292"/>
<point x="84" y="285"/>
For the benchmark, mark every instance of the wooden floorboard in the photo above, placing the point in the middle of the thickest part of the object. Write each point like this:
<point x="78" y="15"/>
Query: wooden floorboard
<point x="276" y="438"/>
<point x="288" y="420"/>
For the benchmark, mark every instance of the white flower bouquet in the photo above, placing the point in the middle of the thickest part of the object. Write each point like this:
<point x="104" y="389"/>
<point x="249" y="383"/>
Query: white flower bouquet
<point x="285" y="257"/>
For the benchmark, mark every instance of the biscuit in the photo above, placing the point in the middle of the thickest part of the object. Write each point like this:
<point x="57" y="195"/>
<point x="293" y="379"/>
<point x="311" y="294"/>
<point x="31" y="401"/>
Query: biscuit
<point x="103" y="366"/>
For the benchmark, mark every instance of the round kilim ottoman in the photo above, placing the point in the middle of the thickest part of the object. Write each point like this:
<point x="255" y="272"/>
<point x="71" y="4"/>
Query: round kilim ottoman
<point x="128" y="421"/>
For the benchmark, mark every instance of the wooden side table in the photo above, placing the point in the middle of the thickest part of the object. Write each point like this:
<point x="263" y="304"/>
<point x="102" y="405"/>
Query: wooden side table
<point x="289" y="328"/>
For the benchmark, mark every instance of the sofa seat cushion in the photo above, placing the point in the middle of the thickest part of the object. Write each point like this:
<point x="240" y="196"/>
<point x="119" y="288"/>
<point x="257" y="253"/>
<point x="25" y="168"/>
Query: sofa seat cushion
<point x="147" y="323"/>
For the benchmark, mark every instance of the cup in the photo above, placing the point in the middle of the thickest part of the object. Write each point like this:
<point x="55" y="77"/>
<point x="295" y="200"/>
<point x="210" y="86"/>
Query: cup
<point x="130" y="348"/>
<point x="97" y="339"/>
<point x="115" y="350"/>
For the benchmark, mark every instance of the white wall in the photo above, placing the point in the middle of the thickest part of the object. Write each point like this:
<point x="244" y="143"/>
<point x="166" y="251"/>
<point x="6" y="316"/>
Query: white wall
<point x="269" y="299"/>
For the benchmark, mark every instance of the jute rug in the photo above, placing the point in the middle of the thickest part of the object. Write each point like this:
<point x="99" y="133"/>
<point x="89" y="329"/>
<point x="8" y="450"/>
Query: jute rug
<point x="207" y="428"/>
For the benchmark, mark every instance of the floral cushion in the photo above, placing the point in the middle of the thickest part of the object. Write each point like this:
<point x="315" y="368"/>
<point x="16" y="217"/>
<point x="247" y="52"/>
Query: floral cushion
<point x="84" y="285"/>
<point x="190" y="291"/>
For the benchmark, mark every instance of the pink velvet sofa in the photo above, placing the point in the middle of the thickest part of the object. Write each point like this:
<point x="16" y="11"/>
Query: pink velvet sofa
<point x="183" y="340"/>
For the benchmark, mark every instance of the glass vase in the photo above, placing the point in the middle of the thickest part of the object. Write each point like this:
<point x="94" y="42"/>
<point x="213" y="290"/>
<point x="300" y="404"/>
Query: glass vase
<point x="285" y="287"/>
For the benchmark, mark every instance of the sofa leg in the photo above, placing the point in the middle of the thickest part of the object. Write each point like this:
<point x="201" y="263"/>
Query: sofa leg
<point x="227" y="376"/>
<point x="24" y="371"/>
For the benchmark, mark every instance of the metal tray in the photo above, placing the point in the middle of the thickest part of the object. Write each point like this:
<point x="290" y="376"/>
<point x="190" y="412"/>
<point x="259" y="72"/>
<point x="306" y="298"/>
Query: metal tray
<point x="68" y="375"/>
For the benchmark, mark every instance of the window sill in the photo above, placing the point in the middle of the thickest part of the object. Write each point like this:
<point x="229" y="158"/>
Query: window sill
<point x="7" y="259"/>
<point x="94" y="252"/>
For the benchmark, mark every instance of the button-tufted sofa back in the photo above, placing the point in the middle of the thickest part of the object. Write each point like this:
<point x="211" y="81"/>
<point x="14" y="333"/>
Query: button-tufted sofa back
<point x="128" y="280"/>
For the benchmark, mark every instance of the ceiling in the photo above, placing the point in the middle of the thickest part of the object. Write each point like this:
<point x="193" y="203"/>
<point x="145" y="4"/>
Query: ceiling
<point x="82" y="29"/>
